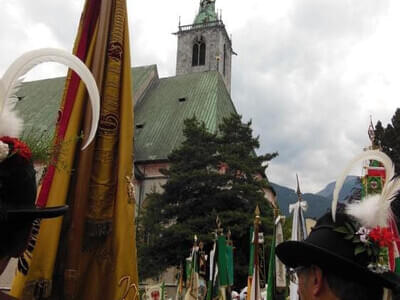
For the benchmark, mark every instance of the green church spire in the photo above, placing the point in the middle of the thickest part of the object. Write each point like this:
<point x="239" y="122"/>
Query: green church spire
<point x="206" y="12"/>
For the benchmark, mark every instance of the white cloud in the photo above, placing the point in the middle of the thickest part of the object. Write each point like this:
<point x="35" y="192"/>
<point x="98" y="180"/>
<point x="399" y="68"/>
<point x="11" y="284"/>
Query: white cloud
<point x="309" y="72"/>
<point x="309" y="99"/>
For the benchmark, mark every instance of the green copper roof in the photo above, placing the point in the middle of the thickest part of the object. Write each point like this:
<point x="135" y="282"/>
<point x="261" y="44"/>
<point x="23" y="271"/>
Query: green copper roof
<point x="140" y="78"/>
<point x="40" y="100"/>
<point x="163" y="106"/>
<point x="39" y="104"/>
<point x="159" y="116"/>
<point x="206" y="12"/>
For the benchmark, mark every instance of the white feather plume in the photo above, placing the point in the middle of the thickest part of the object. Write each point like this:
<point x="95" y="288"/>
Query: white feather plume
<point x="368" y="155"/>
<point x="375" y="210"/>
<point x="371" y="211"/>
<point x="11" y="79"/>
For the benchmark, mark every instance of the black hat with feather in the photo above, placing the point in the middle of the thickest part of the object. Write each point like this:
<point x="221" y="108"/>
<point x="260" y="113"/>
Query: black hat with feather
<point x="359" y="240"/>
<point x="18" y="184"/>
<point x="17" y="174"/>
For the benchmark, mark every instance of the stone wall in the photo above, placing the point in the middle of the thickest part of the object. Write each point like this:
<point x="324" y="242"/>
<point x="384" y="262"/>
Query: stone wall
<point x="215" y="38"/>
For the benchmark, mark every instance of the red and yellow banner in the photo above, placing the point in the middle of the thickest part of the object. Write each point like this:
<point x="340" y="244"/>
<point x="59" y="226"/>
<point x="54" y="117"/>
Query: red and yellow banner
<point x="92" y="255"/>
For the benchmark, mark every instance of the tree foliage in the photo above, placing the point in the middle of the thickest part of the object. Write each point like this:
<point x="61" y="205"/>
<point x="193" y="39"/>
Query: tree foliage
<point x="388" y="139"/>
<point x="210" y="174"/>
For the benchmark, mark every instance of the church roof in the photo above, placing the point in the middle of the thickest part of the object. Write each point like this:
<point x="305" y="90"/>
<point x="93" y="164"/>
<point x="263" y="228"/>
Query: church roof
<point x="161" y="107"/>
<point x="40" y="100"/>
<point x="159" y="116"/>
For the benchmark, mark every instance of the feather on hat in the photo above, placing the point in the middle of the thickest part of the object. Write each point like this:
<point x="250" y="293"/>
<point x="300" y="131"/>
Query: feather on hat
<point x="374" y="210"/>
<point x="16" y="167"/>
<point x="350" y="241"/>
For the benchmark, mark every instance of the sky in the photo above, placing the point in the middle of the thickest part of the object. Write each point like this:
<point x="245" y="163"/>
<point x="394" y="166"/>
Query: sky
<point x="308" y="74"/>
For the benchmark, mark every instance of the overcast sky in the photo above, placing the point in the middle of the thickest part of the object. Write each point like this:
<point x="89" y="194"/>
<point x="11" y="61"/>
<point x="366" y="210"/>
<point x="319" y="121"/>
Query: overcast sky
<point x="309" y="73"/>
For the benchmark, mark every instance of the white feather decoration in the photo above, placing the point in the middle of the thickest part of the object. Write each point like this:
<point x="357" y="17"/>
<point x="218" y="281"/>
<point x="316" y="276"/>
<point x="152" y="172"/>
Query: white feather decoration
<point x="390" y="187"/>
<point x="11" y="80"/>
<point x="370" y="212"/>
<point x="375" y="210"/>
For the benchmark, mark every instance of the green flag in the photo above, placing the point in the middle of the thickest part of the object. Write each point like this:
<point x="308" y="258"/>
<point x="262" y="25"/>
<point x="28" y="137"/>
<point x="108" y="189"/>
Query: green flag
<point x="192" y="287"/>
<point x="271" y="269"/>
<point x="222" y="261"/>
<point x="251" y="259"/>
<point x="396" y="257"/>
<point x="162" y="291"/>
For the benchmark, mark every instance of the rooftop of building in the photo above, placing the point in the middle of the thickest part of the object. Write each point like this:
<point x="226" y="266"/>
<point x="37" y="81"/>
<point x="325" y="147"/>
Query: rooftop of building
<point x="159" y="116"/>
<point x="161" y="106"/>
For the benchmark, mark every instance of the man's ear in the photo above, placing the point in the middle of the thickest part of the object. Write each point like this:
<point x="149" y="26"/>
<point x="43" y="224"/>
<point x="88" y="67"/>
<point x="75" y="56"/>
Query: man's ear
<point x="316" y="281"/>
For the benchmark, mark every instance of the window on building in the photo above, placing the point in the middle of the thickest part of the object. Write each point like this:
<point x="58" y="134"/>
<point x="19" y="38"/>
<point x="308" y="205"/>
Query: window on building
<point x="202" y="54"/>
<point x="195" y="56"/>
<point x="199" y="52"/>
<point x="224" y="61"/>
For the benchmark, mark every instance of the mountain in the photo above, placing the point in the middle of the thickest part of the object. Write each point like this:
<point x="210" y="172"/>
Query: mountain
<point x="317" y="205"/>
<point x="350" y="183"/>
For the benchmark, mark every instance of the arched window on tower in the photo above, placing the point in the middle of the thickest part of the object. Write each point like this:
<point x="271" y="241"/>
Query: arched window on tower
<point x="224" y="61"/>
<point x="199" y="52"/>
<point x="195" y="56"/>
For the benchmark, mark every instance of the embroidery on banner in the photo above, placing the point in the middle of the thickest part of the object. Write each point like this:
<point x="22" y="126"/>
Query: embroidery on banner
<point x="109" y="123"/>
<point x="131" y="189"/>
<point x="26" y="257"/>
<point x="128" y="288"/>
<point x="115" y="51"/>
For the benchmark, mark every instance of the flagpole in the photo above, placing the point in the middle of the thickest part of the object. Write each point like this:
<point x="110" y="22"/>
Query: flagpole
<point x="178" y="295"/>
<point x="299" y="231"/>
<point x="271" y="291"/>
<point x="230" y="266"/>
<point x="280" y="269"/>
<point x="222" y="261"/>
<point x="212" y="279"/>
<point x="255" y="284"/>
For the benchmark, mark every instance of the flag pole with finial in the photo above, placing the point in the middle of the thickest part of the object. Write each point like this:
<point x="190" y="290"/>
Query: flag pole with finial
<point x="255" y="282"/>
<point x="213" y="262"/>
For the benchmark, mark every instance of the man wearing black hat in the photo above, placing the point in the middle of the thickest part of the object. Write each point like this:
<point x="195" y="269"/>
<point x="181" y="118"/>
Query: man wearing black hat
<point x="17" y="201"/>
<point x="349" y="253"/>
<point x="326" y="266"/>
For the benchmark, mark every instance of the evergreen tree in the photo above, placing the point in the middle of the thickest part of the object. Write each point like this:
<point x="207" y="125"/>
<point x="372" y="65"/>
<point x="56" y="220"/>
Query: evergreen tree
<point x="210" y="174"/>
<point x="388" y="139"/>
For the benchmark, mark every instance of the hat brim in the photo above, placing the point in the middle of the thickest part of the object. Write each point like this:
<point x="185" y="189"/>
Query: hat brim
<point x="36" y="213"/>
<point x="301" y="253"/>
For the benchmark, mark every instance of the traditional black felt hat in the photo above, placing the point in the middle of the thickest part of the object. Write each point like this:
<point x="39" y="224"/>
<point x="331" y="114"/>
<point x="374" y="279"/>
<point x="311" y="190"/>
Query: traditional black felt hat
<point x="330" y="250"/>
<point x="18" y="184"/>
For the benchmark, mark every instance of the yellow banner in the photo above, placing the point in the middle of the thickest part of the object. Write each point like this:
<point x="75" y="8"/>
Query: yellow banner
<point x="39" y="277"/>
<point x="111" y="270"/>
<point x="106" y="270"/>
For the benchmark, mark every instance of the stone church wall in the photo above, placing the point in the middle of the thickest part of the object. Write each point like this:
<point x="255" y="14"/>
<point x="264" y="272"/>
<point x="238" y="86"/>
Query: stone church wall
<point x="215" y="39"/>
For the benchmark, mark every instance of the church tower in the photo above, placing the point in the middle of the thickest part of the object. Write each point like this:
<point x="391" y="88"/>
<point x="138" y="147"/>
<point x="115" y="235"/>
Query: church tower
<point x="205" y="45"/>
